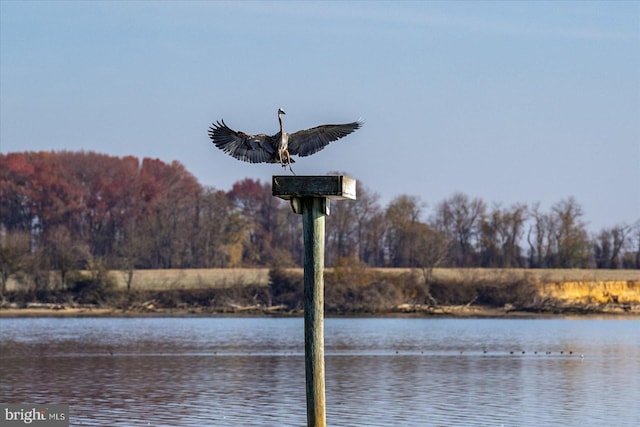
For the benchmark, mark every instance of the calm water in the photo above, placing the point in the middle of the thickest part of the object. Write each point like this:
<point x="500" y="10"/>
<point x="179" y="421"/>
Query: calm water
<point x="380" y="372"/>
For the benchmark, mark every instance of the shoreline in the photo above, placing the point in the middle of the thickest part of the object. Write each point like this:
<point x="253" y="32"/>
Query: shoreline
<point x="471" y="312"/>
<point x="458" y="293"/>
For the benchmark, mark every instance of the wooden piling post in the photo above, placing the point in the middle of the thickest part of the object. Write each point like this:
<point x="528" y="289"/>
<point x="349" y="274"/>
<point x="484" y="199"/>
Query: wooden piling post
<point x="310" y="196"/>
<point x="313" y="221"/>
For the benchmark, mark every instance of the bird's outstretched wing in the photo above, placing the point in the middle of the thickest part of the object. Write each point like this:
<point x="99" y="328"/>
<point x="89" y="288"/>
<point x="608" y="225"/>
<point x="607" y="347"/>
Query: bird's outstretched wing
<point x="309" y="141"/>
<point x="242" y="146"/>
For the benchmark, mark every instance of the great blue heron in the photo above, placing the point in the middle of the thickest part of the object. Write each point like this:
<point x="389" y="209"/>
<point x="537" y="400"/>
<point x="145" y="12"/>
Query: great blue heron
<point x="280" y="147"/>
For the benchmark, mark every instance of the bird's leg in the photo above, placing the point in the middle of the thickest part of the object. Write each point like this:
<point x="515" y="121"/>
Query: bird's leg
<point x="289" y="161"/>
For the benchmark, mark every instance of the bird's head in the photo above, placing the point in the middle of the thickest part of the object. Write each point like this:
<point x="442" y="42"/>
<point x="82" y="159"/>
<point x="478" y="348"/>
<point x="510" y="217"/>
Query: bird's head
<point x="281" y="111"/>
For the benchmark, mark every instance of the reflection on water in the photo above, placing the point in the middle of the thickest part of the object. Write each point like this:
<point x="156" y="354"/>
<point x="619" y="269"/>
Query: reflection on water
<point x="380" y="372"/>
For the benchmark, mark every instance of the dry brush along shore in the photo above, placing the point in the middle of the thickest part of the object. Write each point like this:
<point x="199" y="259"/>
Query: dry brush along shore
<point x="349" y="290"/>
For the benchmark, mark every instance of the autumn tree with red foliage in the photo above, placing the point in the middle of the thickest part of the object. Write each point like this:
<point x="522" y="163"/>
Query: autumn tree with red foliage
<point x="270" y="236"/>
<point x="103" y="202"/>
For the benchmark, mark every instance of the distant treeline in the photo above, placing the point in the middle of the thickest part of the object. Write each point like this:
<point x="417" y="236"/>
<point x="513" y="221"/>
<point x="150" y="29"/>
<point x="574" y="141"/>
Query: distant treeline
<point x="73" y="210"/>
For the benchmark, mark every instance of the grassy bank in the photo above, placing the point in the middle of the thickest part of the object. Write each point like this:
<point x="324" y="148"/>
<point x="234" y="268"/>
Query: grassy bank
<point x="233" y="277"/>
<point x="348" y="290"/>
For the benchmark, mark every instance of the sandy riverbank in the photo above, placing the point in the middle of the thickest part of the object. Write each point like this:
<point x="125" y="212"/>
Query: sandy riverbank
<point x="402" y="311"/>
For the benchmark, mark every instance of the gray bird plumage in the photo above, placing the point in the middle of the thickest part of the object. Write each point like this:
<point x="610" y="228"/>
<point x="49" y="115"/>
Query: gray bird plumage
<point x="278" y="148"/>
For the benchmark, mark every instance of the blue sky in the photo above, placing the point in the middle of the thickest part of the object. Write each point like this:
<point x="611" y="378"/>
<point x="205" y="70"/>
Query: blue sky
<point x="506" y="101"/>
